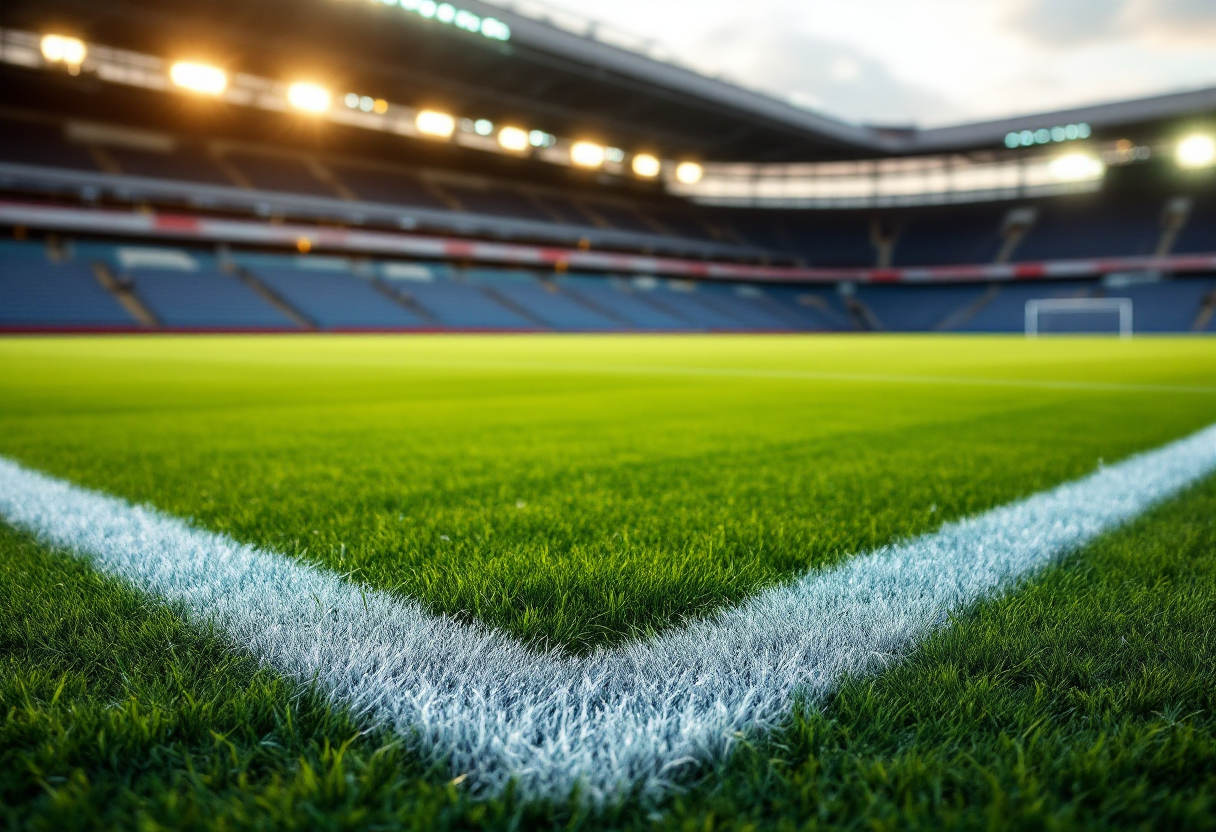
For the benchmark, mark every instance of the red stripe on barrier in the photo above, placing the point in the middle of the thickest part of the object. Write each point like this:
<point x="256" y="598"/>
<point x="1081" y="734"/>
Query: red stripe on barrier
<point x="175" y="222"/>
<point x="388" y="243"/>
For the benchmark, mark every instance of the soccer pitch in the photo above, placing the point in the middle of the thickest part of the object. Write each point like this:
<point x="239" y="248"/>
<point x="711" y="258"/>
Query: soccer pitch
<point x="580" y="495"/>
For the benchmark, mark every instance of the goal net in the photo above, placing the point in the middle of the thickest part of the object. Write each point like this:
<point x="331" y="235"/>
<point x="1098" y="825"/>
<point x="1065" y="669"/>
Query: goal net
<point x="1079" y="316"/>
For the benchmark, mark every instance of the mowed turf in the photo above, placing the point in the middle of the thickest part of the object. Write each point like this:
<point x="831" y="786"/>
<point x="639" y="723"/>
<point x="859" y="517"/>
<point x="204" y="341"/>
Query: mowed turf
<point x="1086" y="700"/>
<point x="583" y="491"/>
<point x="1083" y="700"/>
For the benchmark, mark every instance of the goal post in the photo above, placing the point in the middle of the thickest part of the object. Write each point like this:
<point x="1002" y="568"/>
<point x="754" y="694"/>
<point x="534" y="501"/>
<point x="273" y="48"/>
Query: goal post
<point x="1050" y="316"/>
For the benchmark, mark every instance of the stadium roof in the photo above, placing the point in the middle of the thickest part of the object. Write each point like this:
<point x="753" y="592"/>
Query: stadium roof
<point x="537" y="74"/>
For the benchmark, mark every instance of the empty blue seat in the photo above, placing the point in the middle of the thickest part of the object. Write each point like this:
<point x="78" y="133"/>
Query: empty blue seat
<point x="336" y="299"/>
<point x="1168" y="306"/>
<point x="624" y="304"/>
<point x="1006" y="312"/>
<point x="38" y="293"/>
<point x="463" y="305"/>
<point x="917" y="308"/>
<point x="549" y="304"/>
<point x="205" y="299"/>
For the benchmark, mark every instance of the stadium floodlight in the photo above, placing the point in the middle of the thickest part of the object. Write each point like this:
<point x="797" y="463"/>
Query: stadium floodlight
<point x="513" y="139"/>
<point x="689" y="173"/>
<point x="60" y="49"/>
<point x="587" y="154"/>
<point x="1198" y="151"/>
<point x="310" y="98"/>
<point x="434" y="123"/>
<point x="646" y="166"/>
<point x="1077" y="167"/>
<point x="199" y="78"/>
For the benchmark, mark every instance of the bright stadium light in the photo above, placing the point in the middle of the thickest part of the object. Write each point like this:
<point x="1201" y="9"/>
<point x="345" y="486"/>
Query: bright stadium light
<point x="310" y="98"/>
<point x="199" y="78"/>
<point x="60" y="49"/>
<point x="689" y="173"/>
<point x="1076" y="167"/>
<point x="513" y="139"/>
<point x="587" y="154"/>
<point x="1196" y="151"/>
<point x="646" y="166"/>
<point x="435" y="123"/>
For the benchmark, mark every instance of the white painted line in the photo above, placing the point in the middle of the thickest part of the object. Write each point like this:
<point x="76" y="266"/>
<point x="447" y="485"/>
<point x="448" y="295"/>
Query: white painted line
<point x="632" y="717"/>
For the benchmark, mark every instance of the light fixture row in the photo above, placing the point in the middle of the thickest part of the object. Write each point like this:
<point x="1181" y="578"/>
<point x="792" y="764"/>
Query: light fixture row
<point x="312" y="98"/>
<point x="1194" y="151"/>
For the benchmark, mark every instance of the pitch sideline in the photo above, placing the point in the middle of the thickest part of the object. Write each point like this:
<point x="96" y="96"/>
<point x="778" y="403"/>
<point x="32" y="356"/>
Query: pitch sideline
<point x="628" y="718"/>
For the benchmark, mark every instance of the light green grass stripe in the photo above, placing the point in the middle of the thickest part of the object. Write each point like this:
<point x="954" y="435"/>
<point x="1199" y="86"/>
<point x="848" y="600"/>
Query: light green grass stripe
<point x="741" y="372"/>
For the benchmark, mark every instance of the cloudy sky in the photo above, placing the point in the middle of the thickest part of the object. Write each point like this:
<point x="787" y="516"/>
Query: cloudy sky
<point x="932" y="61"/>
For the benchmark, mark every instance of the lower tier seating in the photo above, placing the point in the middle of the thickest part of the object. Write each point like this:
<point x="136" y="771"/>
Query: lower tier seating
<point x="38" y="292"/>
<point x="99" y="286"/>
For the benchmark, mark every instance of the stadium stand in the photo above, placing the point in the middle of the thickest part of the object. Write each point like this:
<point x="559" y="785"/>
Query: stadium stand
<point x="617" y="299"/>
<point x="325" y="293"/>
<point x="495" y="200"/>
<point x="543" y="302"/>
<point x="918" y="308"/>
<point x="936" y="236"/>
<point x="39" y="292"/>
<point x="623" y="218"/>
<point x="457" y="304"/>
<point x="1167" y="305"/>
<point x="826" y="239"/>
<point x="688" y="300"/>
<point x="746" y="304"/>
<point x="681" y="223"/>
<point x="192" y="292"/>
<point x="387" y="185"/>
<point x="245" y="183"/>
<point x="564" y="209"/>
<point x="263" y="179"/>
<point x="819" y="308"/>
<point x="1199" y="233"/>
<point x="274" y="173"/>
<point x="34" y="143"/>
<point x="1075" y="227"/>
<point x="104" y="286"/>
<point x="1004" y="310"/>
<point x="185" y="165"/>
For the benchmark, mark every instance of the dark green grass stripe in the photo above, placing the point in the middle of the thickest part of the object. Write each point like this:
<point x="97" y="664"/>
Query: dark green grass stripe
<point x="605" y="547"/>
<point x="1085" y="700"/>
<point x="116" y="715"/>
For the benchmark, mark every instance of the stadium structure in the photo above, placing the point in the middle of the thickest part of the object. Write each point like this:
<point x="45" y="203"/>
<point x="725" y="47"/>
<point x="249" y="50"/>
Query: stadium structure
<point x="257" y="576"/>
<point x="402" y="165"/>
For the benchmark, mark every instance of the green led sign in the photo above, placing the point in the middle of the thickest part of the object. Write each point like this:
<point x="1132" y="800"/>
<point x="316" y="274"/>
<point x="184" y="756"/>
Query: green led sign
<point x="489" y="27"/>
<point x="1044" y="135"/>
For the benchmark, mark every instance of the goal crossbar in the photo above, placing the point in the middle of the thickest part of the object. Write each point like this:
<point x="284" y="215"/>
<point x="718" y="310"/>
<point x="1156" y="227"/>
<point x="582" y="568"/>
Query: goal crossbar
<point x="1118" y="306"/>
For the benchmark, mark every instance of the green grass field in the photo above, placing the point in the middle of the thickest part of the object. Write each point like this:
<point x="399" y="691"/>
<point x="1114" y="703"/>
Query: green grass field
<point x="583" y="492"/>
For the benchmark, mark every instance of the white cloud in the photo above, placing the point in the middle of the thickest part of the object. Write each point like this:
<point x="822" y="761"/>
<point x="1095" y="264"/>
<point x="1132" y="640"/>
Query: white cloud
<point x="809" y="71"/>
<point x="934" y="61"/>
<point x="1070" y="23"/>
